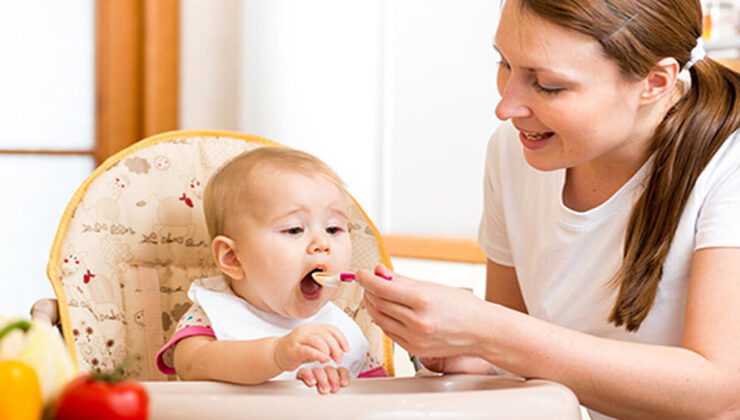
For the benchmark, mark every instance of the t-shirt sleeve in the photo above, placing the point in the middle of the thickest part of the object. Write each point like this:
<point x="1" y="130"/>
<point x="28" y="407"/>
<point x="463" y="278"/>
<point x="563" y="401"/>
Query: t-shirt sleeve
<point x="718" y="224"/>
<point x="492" y="235"/>
<point x="193" y="322"/>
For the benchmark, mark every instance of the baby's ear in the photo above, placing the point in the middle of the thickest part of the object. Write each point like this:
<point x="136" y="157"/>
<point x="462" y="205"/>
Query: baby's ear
<point x="224" y="253"/>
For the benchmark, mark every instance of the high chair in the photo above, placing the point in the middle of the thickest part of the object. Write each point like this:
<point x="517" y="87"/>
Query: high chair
<point x="132" y="239"/>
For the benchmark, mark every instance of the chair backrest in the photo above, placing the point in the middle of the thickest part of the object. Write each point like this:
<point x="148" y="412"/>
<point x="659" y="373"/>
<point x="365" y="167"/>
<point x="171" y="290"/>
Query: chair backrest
<point x="133" y="237"/>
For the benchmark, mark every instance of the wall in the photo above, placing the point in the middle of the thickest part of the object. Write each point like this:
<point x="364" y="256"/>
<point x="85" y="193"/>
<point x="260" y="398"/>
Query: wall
<point x="397" y="96"/>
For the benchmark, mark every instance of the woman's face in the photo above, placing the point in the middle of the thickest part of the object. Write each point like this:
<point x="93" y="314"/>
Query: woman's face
<point x="568" y="101"/>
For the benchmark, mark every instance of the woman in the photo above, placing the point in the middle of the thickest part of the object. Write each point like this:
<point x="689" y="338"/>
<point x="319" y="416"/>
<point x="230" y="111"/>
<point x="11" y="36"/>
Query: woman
<point x="611" y="220"/>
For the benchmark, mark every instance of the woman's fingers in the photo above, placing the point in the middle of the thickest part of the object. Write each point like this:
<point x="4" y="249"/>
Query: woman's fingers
<point x="401" y="341"/>
<point x="435" y="364"/>
<point x="399" y="289"/>
<point x="385" y="322"/>
<point x="401" y="313"/>
<point x="383" y="271"/>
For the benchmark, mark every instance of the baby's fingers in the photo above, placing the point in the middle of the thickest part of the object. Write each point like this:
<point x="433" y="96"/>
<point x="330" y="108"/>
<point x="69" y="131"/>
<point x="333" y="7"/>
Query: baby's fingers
<point x="305" y="375"/>
<point x="310" y="353"/>
<point x="332" y="377"/>
<point x="324" y="341"/>
<point x="322" y="381"/>
<point x="336" y="342"/>
<point x="343" y="376"/>
<point x="340" y="338"/>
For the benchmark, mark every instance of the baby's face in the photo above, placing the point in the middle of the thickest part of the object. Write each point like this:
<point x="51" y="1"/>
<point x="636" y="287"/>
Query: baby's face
<point x="295" y="225"/>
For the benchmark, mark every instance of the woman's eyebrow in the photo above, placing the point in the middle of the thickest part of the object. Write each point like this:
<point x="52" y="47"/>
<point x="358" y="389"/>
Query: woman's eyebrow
<point x="537" y="69"/>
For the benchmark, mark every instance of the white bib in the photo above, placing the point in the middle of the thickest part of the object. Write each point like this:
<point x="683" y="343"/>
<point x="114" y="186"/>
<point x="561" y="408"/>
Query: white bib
<point x="233" y="318"/>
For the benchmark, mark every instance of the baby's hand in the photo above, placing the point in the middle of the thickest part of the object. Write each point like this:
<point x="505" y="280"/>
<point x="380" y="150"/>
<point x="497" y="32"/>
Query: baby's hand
<point x="310" y="343"/>
<point x="326" y="378"/>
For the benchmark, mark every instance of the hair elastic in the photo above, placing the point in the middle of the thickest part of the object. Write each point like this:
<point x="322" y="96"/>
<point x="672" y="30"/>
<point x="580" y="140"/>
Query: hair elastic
<point x="620" y="27"/>
<point x="697" y="54"/>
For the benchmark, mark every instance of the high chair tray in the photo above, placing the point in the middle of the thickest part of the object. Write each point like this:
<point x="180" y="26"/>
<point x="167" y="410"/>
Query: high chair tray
<point x="438" y="397"/>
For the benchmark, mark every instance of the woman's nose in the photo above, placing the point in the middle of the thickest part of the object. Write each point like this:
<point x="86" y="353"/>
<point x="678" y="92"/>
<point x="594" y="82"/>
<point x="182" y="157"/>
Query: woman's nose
<point x="512" y="104"/>
<point x="319" y="243"/>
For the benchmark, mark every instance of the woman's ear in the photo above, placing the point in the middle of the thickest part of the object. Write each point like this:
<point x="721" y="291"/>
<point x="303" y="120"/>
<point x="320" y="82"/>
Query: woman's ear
<point x="224" y="253"/>
<point x="661" y="80"/>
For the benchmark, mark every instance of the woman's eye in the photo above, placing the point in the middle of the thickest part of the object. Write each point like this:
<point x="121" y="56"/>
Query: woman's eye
<point x="547" y="91"/>
<point x="333" y="230"/>
<point x="293" y="231"/>
<point x="503" y="64"/>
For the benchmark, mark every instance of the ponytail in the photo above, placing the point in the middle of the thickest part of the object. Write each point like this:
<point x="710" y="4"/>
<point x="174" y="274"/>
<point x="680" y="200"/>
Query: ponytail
<point x="683" y="144"/>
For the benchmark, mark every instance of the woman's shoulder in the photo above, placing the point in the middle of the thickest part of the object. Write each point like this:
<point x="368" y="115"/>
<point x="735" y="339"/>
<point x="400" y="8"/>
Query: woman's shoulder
<point x="724" y="164"/>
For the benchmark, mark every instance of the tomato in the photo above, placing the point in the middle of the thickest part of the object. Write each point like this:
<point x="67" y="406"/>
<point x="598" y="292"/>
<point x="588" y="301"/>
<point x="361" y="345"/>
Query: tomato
<point x="91" y="397"/>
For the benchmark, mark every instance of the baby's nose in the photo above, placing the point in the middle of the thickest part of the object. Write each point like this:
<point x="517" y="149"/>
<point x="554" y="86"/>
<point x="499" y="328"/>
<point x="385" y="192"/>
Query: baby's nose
<point x="319" y="243"/>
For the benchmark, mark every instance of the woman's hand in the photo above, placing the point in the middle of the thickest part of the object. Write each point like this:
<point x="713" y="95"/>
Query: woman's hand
<point x="427" y="319"/>
<point x="459" y="364"/>
<point x="325" y="378"/>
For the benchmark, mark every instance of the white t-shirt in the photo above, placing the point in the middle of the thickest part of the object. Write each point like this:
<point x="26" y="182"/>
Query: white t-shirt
<point x="564" y="259"/>
<point x="233" y="318"/>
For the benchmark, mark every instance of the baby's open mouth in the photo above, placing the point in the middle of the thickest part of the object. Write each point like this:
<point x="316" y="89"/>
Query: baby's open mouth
<point x="310" y="290"/>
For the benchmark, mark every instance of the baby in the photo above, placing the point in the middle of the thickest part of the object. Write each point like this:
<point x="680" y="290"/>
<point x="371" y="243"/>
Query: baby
<point x="275" y="216"/>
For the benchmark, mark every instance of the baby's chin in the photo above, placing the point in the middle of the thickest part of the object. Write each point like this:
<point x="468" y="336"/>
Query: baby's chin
<point x="307" y="309"/>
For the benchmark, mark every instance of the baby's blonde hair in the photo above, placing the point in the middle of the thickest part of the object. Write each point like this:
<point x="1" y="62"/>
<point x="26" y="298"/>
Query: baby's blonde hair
<point x="232" y="182"/>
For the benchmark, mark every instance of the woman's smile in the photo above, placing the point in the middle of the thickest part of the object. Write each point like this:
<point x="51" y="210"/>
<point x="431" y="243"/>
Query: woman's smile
<point x="534" y="140"/>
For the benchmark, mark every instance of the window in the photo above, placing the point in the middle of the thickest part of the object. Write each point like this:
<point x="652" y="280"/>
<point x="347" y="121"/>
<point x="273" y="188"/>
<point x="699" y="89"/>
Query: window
<point x="47" y="138"/>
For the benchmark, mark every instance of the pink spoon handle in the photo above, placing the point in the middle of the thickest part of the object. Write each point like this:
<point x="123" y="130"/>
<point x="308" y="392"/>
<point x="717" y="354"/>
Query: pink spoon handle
<point x="348" y="277"/>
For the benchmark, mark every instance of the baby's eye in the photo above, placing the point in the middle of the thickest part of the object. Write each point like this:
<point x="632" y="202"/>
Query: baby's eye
<point x="293" y="231"/>
<point x="333" y="230"/>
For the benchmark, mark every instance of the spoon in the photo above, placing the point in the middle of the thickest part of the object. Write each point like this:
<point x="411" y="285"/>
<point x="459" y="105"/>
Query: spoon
<point x="334" y="280"/>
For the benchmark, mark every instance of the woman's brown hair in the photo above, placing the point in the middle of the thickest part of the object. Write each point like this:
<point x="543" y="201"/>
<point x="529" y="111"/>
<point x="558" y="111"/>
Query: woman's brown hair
<point x="636" y="34"/>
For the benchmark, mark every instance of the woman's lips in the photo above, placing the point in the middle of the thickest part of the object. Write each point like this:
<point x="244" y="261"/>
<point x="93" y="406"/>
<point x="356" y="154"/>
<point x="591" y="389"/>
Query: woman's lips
<point x="535" y="140"/>
<point x="537" y="136"/>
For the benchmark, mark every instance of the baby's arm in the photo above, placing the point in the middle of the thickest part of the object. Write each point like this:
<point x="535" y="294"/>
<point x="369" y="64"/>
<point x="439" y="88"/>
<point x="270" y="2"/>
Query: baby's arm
<point x="202" y="357"/>
<point x="256" y="361"/>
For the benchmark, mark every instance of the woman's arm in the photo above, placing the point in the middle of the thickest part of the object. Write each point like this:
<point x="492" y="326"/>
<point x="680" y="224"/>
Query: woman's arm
<point x="201" y="357"/>
<point x="700" y="379"/>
